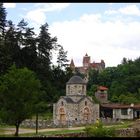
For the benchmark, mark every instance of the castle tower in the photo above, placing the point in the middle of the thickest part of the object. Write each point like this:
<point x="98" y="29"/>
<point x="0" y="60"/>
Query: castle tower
<point x="103" y="64"/>
<point x="86" y="61"/>
<point x="72" y="66"/>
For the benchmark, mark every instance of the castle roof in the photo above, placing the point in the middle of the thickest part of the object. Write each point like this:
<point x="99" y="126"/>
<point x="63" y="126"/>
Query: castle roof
<point x="72" y="63"/>
<point x="76" y="80"/>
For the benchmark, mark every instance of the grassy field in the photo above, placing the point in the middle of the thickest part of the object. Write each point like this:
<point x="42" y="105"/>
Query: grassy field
<point x="51" y="133"/>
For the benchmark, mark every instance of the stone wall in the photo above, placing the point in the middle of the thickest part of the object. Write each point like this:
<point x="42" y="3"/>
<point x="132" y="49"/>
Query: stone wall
<point x="128" y="132"/>
<point x="75" y="89"/>
<point x="110" y="120"/>
<point x="41" y="124"/>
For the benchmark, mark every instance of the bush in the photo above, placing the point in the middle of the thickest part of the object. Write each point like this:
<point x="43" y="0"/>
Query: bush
<point x="97" y="130"/>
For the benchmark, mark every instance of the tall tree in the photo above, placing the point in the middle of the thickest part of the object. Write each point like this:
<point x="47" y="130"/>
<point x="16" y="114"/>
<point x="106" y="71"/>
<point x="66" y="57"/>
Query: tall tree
<point x="19" y="90"/>
<point x="11" y="43"/>
<point x="45" y="46"/>
<point x="62" y="57"/>
<point x="21" y="29"/>
<point x="2" y="20"/>
<point x="29" y="51"/>
<point x="124" y="61"/>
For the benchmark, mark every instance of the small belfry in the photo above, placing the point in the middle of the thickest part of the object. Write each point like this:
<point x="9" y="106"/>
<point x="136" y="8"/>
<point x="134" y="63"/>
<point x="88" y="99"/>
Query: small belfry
<point x="76" y="107"/>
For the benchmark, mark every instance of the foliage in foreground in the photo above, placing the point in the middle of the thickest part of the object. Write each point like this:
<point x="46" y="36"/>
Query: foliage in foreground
<point x="97" y="130"/>
<point x="19" y="89"/>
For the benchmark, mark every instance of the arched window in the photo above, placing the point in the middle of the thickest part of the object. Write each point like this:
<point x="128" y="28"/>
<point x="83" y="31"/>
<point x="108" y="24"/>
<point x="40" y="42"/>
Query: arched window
<point x="62" y="111"/>
<point x="86" y="113"/>
<point x="68" y="89"/>
<point x="85" y="102"/>
<point x="83" y="88"/>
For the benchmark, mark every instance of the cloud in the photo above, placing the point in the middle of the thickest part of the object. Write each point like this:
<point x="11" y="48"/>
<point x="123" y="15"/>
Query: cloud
<point x="50" y="7"/>
<point x="36" y="16"/>
<point x="39" y="14"/>
<point x="9" y="5"/>
<point x="108" y="40"/>
<point x="110" y="12"/>
<point x="132" y="10"/>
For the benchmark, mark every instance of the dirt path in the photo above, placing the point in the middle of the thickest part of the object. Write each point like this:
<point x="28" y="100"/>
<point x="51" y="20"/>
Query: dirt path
<point x="25" y="131"/>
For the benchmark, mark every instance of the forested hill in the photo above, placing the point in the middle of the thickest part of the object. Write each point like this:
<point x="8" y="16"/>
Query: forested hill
<point x="19" y="45"/>
<point x="123" y="81"/>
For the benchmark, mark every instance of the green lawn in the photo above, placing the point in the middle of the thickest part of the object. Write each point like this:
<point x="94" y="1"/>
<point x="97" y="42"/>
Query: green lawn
<point x="51" y="133"/>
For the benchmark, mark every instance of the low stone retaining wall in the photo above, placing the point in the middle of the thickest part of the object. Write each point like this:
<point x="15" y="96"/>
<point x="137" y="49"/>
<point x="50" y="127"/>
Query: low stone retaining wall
<point x="110" y="120"/>
<point x="41" y="124"/>
<point x="125" y="132"/>
<point x="82" y="134"/>
<point x="128" y="132"/>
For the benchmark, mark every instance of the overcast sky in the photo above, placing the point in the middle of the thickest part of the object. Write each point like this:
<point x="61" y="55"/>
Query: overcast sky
<point x="108" y="31"/>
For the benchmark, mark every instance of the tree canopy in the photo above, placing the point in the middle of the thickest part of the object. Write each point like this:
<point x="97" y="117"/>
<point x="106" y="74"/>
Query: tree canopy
<point x="20" y="45"/>
<point x="123" y="81"/>
<point x="19" y="92"/>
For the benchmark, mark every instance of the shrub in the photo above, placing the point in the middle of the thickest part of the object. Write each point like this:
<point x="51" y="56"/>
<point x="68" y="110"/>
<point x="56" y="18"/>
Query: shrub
<point x="97" y="130"/>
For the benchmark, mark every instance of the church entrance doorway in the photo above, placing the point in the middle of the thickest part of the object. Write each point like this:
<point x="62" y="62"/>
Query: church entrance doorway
<point x="62" y="116"/>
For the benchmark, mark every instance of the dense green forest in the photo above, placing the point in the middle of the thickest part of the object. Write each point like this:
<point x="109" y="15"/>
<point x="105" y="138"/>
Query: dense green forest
<point x="123" y="81"/>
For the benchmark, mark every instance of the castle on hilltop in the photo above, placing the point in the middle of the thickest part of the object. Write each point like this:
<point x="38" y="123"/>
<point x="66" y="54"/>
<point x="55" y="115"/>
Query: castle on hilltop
<point x="87" y="65"/>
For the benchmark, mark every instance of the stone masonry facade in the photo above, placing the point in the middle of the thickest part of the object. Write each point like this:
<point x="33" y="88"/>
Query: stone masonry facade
<point x="76" y="107"/>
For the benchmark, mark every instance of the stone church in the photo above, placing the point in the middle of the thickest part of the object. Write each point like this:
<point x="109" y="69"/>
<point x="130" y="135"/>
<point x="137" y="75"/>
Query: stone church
<point x="76" y="107"/>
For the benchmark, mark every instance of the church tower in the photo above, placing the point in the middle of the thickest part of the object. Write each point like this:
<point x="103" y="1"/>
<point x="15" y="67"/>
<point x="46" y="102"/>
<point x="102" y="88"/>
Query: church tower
<point x="76" y="86"/>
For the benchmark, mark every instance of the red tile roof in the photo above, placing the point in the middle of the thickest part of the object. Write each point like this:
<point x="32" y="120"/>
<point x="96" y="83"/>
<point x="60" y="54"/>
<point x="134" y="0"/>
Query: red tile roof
<point x="102" y="88"/>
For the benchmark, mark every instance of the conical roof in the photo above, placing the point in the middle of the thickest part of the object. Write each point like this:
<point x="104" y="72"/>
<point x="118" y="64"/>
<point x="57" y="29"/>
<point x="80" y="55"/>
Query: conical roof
<point x="76" y="80"/>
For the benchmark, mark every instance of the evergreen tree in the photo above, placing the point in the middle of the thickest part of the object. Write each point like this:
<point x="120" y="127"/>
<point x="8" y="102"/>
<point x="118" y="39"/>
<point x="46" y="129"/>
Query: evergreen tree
<point x="2" y="20"/>
<point x="11" y="44"/>
<point x="28" y="52"/>
<point x="62" y="57"/>
<point x="21" y="29"/>
<point x="45" y="46"/>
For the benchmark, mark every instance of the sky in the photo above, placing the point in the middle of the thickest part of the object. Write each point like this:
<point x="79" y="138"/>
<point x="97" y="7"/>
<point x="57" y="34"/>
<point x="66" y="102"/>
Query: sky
<point x="108" y="31"/>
